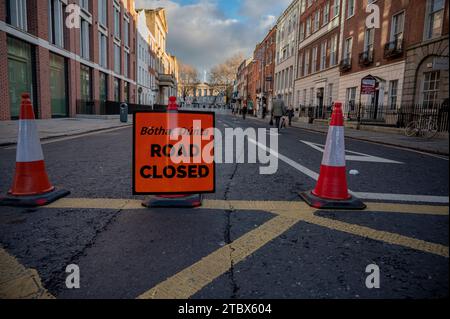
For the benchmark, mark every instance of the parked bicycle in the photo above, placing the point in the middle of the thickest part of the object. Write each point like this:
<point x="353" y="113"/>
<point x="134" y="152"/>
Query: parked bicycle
<point x="426" y="126"/>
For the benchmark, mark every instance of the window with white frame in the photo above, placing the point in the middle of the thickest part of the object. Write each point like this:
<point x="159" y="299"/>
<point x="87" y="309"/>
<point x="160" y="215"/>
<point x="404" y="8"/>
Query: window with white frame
<point x="103" y="49"/>
<point x="116" y="20"/>
<point x="126" y="31"/>
<point x="316" y="21"/>
<point x="85" y="39"/>
<point x="430" y="89"/>
<point x="323" y="55"/>
<point x="330" y="94"/>
<point x="308" y="27"/>
<point x="84" y="4"/>
<point x="434" y="18"/>
<point x="314" y="60"/>
<point x="302" y="32"/>
<point x="350" y="99"/>
<point x="304" y="97"/>
<point x="306" y="68"/>
<point x="393" y="88"/>
<point x="300" y="65"/>
<point x="398" y="21"/>
<point x="333" y="51"/>
<point x="17" y="13"/>
<point x="117" y="66"/>
<point x="311" y="96"/>
<point x="336" y="7"/>
<point x="348" y="49"/>
<point x="350" y="8"/>
<point x="326" y="13"/>
<point x="369" y="38"/>
<point x="55" y="22"/>
<point x="103" y="12"/>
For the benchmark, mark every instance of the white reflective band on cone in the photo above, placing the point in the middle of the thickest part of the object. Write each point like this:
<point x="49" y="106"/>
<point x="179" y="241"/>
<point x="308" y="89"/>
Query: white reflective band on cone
<point x="28" y="146"/>
<point x="334" y="153"/>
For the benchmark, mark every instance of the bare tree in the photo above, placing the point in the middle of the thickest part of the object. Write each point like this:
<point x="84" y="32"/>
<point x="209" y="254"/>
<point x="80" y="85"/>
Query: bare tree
<point x="222" y="75"/>
<point x="189" y="78"/>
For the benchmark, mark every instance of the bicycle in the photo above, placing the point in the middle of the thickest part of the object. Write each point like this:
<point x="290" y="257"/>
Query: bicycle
<point x="426" y="127"/>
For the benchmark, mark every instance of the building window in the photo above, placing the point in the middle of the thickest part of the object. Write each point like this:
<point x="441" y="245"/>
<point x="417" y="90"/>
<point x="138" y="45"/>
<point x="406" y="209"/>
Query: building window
<point x="302" y="32"/>
<point x="348" y="49"/>
<point x="316" y="21"/>
<point x="300" y="65"/>
<point x="393" y="87"/>
<point x="55" y="22"/>
<point x="314" y="60"/>
<point x="116" y="90"/>
<point x="333" y="48"/>
<point x="336" y="8"/>
<point x="304" y="97"/>
<point x="116" y="20"/>
<point x="350" y="8"/>
<point x="350" y="99"/>
<point x="85" y="83"/>
<point x="126" y="64"/>
<point x="397" y="27"/>
<point x="306" y="68"/>
<point x="330" y="94"/>
<point x="103" y="49"/>
<point x="84" y="4"/>
<point x="17" y="13"/>
<point x="126" y="32"/>
<point x="85" y="39"/>
<point x="103" y="12"/>
<point x="326" y="13"/>
<point x="434" y="18"/>
<point x="126" y="88"/>
<point x="311" y="96"/>
<point x="369" y="37"/>
<point x="430" y="89"/>
<point x="117" y="66"/>
<point x="308" y="27"/>
<point x="323" y="55"/>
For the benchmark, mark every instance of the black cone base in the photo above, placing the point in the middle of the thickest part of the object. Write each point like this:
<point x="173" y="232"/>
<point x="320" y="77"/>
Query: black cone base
<point x="189" y="201"/>
<point x="34" y="200"/>
<point x="353" y="203"/>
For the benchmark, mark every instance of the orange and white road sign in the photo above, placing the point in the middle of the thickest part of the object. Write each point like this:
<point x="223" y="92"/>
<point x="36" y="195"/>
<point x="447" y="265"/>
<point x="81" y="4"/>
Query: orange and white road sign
<point x="173" y="153"/>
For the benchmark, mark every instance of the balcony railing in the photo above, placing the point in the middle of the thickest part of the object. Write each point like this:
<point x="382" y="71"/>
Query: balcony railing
<point x="393" y="49"/>
<point x="366" y="58"/>
<point x="345" y="65"/>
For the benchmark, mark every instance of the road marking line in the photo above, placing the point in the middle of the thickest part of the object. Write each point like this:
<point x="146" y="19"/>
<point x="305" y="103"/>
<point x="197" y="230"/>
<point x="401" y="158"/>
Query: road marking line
<point x="192" y="279"/>
<point x="408" y="209"/>
<point x="18" y="282"/>
<point x="359" y="157"/>
<point x="60" y="139"/>
<point x="375" y="196"/>
<point x="403" y="197"/>
<point x="383" y="236"/>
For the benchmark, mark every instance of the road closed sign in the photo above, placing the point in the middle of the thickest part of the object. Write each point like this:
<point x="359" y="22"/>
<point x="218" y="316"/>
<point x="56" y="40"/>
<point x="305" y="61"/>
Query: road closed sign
<point x="173" y="153"/>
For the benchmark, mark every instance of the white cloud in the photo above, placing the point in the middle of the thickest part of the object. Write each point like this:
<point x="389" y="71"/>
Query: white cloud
<point x="201" y="35"/>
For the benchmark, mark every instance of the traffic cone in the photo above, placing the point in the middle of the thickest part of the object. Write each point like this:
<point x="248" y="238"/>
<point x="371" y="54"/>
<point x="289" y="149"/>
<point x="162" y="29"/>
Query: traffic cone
<point x="331" y="191"/>
<point x="31" y="186"/>
<point x="178" y="201"/>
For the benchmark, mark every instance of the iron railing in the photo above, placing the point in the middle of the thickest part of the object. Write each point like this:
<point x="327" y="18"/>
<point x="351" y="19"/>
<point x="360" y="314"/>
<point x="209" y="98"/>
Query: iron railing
<point x="366" y="58"/>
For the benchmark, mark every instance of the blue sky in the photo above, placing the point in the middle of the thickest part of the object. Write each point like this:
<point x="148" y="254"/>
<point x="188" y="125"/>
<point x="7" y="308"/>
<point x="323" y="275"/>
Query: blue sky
<point x="206" y="32"/>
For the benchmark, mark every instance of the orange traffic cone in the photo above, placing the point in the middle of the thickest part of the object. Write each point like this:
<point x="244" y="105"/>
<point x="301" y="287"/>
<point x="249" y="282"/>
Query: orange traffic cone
<point x="180" y="201"/>
<point x="31" y="186"/>
<point x="331" y="191"/>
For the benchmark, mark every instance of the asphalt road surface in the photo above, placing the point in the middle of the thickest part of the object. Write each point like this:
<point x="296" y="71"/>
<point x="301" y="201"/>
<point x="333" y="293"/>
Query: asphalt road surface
<point x="253" y="238"/>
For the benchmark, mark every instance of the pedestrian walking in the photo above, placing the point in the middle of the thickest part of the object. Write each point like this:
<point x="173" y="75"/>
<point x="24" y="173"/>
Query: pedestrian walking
<point x="278" y="110"/>
<point x="290" y="114"/>
<point x="244" y="109"/>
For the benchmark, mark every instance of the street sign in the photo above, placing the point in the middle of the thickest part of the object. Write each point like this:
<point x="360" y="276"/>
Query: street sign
<point x="368" y="85"/>
<point x="173" y="153"/>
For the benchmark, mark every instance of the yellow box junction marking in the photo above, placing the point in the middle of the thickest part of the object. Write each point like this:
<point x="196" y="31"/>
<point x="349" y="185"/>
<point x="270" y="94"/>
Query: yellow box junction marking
<point x="18" y="282"/>
<point x="287" y="213"/>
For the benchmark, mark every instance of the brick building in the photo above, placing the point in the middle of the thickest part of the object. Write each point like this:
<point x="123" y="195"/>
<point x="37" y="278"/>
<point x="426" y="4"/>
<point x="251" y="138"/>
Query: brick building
<point x="427" y="57"/>
<point x="413" y="26"/>
<point x="317" y="78"/>
<point x="266" y="56"/>
<point x="63" y="68"/>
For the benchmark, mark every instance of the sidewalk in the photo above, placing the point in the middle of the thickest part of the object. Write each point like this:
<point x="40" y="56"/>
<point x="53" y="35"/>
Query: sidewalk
<point x="437" y="145"/>
<point x="53" y="128"/>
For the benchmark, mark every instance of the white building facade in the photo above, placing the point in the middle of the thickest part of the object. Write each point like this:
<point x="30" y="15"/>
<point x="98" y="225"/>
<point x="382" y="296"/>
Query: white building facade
<point x="286" y="51"/>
